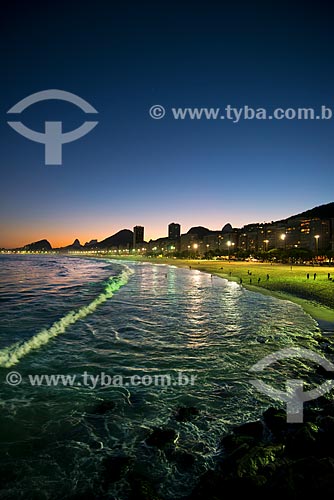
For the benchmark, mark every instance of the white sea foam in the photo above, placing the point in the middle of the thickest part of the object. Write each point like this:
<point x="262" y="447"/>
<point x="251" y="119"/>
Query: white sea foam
<point x="12" y="354"/>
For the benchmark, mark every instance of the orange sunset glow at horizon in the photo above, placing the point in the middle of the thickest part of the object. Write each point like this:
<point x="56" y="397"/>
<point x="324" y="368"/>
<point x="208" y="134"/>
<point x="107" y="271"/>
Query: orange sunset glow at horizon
<point x="61" y="233"/>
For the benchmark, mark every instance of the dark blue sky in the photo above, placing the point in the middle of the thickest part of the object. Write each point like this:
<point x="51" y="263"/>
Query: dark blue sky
<point x="125" y="57"/>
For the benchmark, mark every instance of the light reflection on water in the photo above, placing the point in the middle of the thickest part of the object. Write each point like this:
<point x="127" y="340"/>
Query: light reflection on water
<point x="185" y="321"/>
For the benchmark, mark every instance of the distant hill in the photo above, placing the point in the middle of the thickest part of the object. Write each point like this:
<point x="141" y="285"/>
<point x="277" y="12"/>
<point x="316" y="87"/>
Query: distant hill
<point x="122" y="238"/>
<point x="37" y="246"/>
<point x="199" y="231"/>
<point x="90" y="244"/>
<point x="322" y="211"/>
<point x="76" y="245"/>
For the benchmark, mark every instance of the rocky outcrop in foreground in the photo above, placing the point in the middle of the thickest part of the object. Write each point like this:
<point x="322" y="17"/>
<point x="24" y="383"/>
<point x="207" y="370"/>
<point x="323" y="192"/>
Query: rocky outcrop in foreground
<point x="270" y="456"/>
<point x="265" y="459"/>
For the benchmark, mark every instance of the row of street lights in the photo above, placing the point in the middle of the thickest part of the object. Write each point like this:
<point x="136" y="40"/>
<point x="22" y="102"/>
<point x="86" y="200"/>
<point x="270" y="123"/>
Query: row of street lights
<point x="283" y="238"/>
<point x="195" y="246"/>
<point x="266" y="242"/>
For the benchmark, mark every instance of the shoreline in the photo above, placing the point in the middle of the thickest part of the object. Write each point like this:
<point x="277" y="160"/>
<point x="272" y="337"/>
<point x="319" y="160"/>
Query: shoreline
<point x="266" y="455"/>
<point x="258" y="457"/>
<point x="322" y="314"/>
<point x="269" y="455"/>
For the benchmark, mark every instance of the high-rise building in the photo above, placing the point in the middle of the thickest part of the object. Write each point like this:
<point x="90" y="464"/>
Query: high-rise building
<point x="138" y="235"/>
<point x="174" y="231"/>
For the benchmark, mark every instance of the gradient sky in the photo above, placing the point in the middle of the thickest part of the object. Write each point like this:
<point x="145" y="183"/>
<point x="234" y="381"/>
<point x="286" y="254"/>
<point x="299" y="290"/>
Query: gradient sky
<point x="123" y="57"/>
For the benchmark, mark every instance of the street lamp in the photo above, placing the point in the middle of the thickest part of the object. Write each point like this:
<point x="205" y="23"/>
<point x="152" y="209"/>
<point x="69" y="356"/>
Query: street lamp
<point x="316" y="237"/>
<point x="283" y="238"/>
<point x="195" y="248"/>
<point x="266" y="243"/>
<point x="229" y="243"/>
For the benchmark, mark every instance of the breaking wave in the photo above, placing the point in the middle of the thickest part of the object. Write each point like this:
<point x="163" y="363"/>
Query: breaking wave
<point x="12" y="354"/>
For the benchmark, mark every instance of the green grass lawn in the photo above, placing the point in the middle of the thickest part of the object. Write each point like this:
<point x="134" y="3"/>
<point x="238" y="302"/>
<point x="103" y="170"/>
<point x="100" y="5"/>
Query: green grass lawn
<point x="281" y="278"/>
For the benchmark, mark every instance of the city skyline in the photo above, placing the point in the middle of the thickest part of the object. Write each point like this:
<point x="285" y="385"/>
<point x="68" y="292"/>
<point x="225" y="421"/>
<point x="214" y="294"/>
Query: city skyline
<point x="19" y="235"/>
<point x="174" y="230"/>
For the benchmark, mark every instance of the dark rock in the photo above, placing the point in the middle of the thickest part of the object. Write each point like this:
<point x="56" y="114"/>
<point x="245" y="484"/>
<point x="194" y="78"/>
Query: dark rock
<point x="258" y="458"/>
<point x="323" y="403"/>
<point x="252" y="429"/>
<point x="113" y="469"/>
<point x="183" y="459"/>
<point x="292" y="460"/>
<point x="186" y="413"/>
<point x="161" y="437"/>
<point x="302" y="441"/>
<point x="320" y="370"/>
<point x="142" y="489"/>
<point x="327" y="347"/>
<point x="327" y="426"/>
<point x="232" y="444"/>
<point x="304" y="477"/>
<point x="209" y="487"/>
<point x="325" y="437"/>
<point x="104" y="407"/>
<point x="275" y="420"/>
<point x="214" y="486"/>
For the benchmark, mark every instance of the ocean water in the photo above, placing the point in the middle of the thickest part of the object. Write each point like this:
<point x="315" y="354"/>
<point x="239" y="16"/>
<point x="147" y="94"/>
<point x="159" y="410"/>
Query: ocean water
<point x="66" y="315"/>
